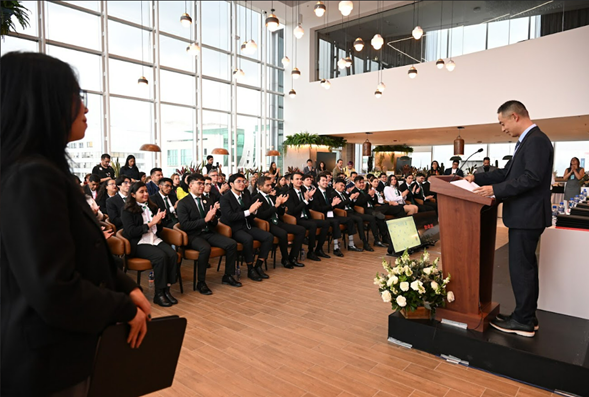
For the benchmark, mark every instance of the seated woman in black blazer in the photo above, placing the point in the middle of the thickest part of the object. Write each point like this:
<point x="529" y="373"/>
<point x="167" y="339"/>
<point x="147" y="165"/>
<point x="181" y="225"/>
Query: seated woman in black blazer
<point x="141" y="226"/>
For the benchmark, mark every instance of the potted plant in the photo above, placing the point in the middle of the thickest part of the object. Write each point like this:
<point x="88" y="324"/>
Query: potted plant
<point x="9" y="9"/>
<point x="414" y="287"/>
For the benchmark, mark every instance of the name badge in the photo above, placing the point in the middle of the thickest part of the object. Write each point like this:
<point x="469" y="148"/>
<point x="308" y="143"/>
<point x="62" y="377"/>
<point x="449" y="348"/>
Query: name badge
<point x="330" y="214"/>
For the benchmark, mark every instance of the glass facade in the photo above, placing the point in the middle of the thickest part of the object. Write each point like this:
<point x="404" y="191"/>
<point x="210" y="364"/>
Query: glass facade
<point x="191" y="104"/>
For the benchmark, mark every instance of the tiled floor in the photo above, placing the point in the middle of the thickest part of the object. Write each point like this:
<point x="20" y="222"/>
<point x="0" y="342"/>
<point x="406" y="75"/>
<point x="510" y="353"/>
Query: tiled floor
<point x="314" y="331"/>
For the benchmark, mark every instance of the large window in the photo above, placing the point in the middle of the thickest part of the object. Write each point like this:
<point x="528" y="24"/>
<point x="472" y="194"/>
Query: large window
<point x="189" y="106"/>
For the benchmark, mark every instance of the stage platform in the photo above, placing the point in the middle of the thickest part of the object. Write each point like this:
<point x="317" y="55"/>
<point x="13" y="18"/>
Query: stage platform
<point x="557" y="358"/>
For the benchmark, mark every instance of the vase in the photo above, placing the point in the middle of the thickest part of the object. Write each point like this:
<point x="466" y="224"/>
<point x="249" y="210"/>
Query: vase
<point x="421" y="313"/>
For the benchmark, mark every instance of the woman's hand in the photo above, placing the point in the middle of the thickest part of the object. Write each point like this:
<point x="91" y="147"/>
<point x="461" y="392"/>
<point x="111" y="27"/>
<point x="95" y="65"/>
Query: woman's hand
<point x="138" y="329"/>
<point x="141" y="301"/>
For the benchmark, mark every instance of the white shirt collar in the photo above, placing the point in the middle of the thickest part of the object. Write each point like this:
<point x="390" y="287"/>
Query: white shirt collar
<point x="237" y="197"/>
<point x="160" y="193"/>
<point x="195" y="196"/>
<point x="121" y="194"/>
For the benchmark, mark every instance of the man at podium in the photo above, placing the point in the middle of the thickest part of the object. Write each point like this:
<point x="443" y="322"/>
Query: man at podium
<point x="524" y="188"/>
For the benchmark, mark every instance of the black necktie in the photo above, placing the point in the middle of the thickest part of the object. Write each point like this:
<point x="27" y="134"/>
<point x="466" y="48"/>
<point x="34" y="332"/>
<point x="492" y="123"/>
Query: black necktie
<point x="274" y="217"/>
<point x="516" y="146"/>
<point x="202" y="211"/>
<point x="304" y="208"/>
<point x="325" y="196"/>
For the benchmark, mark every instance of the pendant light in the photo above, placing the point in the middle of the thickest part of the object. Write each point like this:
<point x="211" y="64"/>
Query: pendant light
<point x="341" y="63"/>
<point x="417" y="31"/>
<point x="285" y="59"/>
<point x="292" y="93"/>
<point x="348" y="62"/>
<point x="238" y="74"/>
<point x="142" y="80"/>
<point x="296" y="73"/>
<point x="377" y="41"/>
<point x="251" y="46"/>
<point x="185" y="19"/>
<point x="299" y="32"/>
<point x="346" y="7"/>
<point x="412" y="72"/>
<point x="450" y="65"/>
<point x="359" y="43"/>
<point x="377" y="94"/>
<point x="459" y="144"/>
<point x="193" y="49"/>
<point x="272" y="21"/>
<point x="325" y="84"/>
<point x="319" y="9"/>
<point x="440" y="62"/>
<point x="381" y="87"/>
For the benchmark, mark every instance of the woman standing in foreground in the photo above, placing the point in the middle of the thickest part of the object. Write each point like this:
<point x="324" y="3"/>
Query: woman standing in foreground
<point x="59" y="285"/>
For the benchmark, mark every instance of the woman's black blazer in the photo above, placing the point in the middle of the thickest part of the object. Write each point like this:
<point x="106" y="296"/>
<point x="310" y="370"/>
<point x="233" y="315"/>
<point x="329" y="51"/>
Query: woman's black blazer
<point x="134" y="228"/>
<point x="59" y="284"/>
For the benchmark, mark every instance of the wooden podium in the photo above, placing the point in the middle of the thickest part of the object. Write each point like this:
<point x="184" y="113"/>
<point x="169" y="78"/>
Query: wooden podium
<point x="468" y="225"/>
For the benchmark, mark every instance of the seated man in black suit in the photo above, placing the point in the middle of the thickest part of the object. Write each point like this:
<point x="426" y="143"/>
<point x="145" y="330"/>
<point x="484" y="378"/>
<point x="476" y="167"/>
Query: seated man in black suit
<point x="271" y="211"/>
<point x="209" y="192"/>
<point x="153" y="185"/>
<point x="376" y="218"/>
<point x="238" y="212"/>
<point x="309" y="169"/>
<point x="354" y="220"/>
<point x="422" y="192"/>
<point x="308" y="182"/>
<point x="166" y="202"/>
<point x="454" y="170"/>
<point x="198" y="218"/>
<point x="91" y="189"/>
<point x="298" y="205"/>
<point x="382" y="182"/>
<point x="115" y="204"/>
<point x="324" y="202"/>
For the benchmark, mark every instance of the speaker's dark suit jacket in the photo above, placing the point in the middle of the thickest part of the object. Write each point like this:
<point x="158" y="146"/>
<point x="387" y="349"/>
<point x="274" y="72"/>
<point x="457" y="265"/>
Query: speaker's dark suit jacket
<point x="59" y="284"/>
<point x="114" y="207"/>
<point x="157" y="199"/>
<point x="134" y="228"/>
<point x="189" y="217"/>
<point x="524" y="184"/>
<point x="448" y="171"/>
<point x="232" y="214"/>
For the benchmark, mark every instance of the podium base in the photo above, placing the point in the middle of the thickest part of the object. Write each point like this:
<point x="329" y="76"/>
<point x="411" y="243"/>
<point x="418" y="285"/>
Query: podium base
<point x="557" y="358"/>
<point x="476" y="322"/>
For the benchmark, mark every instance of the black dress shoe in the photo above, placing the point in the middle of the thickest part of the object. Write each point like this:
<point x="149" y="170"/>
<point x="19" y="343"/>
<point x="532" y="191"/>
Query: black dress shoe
<point x="168" y="294"/>
<point x="354" y="248"/>
<point x="313" y="257"/>
<point x="295" y="263"/>
<point x="287" y="265"/>
<point x="202" y="287"/>
<point x="393" y="254"/>
<point x="253" y="274"/>
<point x="380" y="244"/>
<point x="261" y="272"/>
<point x="229" y="280"/>
<point x="160" y="299"/>
<point x="321" y="254"/>
<point x="368" y="248"/>
<point x="511" y="326"/>
<point x="337" y="252"/>
<point x="208" y="266"/>
<point x="506" y="317"/>
<point x="378" y="215"/>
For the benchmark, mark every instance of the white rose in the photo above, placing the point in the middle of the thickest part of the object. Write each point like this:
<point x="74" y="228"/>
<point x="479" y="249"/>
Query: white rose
<point x="415" y="285"/>
<point x="376" y="281"/>
<point x="401" y="301"/>
<point x="386" y="296"/>
<point x="408" y="271"/>
<point x="404" y="286"/>
<point x="434" y="285"/>
<point x="450" y="296"/>
<point x="446" y="280"/>
<point x="392" y="280"/>
<point x="428" y="270"/>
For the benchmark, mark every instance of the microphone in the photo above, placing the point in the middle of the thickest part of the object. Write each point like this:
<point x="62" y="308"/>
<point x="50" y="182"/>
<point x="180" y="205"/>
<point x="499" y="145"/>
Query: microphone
<point x="468" y="158"/>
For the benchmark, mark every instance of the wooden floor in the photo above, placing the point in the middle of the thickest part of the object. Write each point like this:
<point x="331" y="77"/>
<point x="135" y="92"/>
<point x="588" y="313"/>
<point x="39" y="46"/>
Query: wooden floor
<point x="320" y="330"/>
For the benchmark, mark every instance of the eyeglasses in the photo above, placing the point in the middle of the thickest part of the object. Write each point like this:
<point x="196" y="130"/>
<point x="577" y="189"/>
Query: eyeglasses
<point x="126" y="183"/>
<point x="239" y="181"/>
<point x="208" y="184"/>
<point x="167" y="186"/>
<point x="84" y="98"/>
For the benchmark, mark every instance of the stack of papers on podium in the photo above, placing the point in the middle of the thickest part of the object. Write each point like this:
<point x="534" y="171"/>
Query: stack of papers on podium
<point x="573" y="221"/>
<point x="466" y="185"/>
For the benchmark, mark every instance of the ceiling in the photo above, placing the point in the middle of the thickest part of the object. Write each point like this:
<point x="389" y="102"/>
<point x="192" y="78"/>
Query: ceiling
<point x="558" y="129"/>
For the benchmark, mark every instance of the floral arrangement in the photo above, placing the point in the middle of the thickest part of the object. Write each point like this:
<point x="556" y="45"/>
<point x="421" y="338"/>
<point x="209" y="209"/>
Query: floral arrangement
<point x="413" y="283"/>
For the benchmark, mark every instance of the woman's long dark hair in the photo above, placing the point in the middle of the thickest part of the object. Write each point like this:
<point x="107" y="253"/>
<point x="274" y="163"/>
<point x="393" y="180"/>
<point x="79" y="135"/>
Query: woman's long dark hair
<point x="183" y="183"/>
<point x="322" y="166"/>
<point x="272" y="168"/>
<point x="101" y="191"/>
<point x="571" y="163"/>
<point x="131" y="204"/>
<point x="39" y="102"/>
<point x="129" y="157"/>
<point x="437" y="165"/>
<point x="396" y="181"/>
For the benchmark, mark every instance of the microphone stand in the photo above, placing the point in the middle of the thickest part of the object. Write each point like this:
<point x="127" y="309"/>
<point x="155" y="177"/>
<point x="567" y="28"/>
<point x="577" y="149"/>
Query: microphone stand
<point x="465" y="161"/>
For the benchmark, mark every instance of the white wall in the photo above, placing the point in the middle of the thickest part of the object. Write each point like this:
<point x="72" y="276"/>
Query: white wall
<point x="549" y="75"/>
